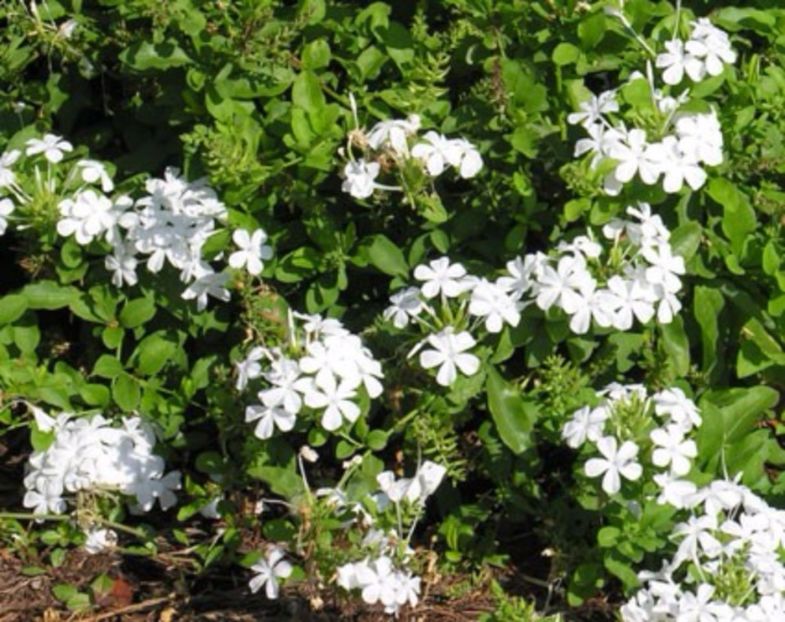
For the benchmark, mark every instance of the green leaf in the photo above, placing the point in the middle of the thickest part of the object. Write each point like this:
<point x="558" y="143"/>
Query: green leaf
<point x="513" y="415"/>
<point x="138" y="311"/>
<point x="386" y="256"/>
<point x="126" y="392"/>
<point x="145" y="55"/>
<point x="316" y="54"/>
<point x="686" y="239"/>
<point x="565" y="54"/>
<point x="677" y="345"/>
<point x="738" y="219"/>
<point x="107" y="366"/>
<point x="707" y="306"/>
<point x="49" y="295"/>
<point x="12" y="307"/>
<point x="153" y="352"/>
<point x="307" y="93"/>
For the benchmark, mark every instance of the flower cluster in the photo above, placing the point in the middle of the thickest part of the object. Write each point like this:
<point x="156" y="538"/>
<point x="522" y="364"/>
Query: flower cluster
<point x="728" y="565"/>
<point x="678" y="145"/>
<point x="394" y="144"/>
<point x="380" y="581"/>
<point x="383" y="576"/>
<point x="637" y="278"/>
<point x="170" y="224"/>
<point x="629" y="427"/>
<point x="449" y="306"/>
<point x="324" y="367"/>
<point x="706" y="52"/>
<point x="89" y="454"/>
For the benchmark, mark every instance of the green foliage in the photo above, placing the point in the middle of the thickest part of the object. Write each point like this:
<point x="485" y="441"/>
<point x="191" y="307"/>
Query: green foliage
<point x="255" y="97"/>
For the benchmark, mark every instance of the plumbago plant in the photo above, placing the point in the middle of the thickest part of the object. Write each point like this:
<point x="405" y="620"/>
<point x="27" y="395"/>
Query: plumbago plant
<point x="395" y="307"/>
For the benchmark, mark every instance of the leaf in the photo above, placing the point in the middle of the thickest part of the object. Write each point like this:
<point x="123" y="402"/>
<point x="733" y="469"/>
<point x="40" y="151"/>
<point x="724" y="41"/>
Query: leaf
<point x="153" y="352"/>
<point x="565" y="54"/>
<point x="307" y="93"/>
<point x="738" y="219"/>
<point x="126" y="392"/>
<point x="513" y="415"/>
<point x="49" y="295"/>
<point x="707" y="306"/>
<point x="677" y="345"/>
<point x="686" y="239"/>
<point x="12" y="307"/>
<point x="386" y="256"/>
<point x="145" y="55"/>
<point x="107" y="366"/>
<point x="316" y="54"/>
<point x="138" y="311"/>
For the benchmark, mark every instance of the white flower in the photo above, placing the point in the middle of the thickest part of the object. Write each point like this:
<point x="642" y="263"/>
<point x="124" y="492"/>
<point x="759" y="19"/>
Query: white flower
<point x="631" y="299"/>
<point x="287" y="383"/>
<point x="249" y="368"/>
<point x="6" y="209"/>
<point x="635" y="156"/>
<point x="664" y="267"/>
<point x="700" y="137"/>
<point x="676" y="492"/>
<point x="676" y="165"/>
<point x="7" y="160"/>
<point x="268" y="571"/>
<point x="99" y="540"/>
<point x="521" y="275"/>
<point x="404" y="304"/>
<point x="681" y="409"/>
<point x="122" y="263"/>
<point x="589" y="304"/>
<point x="437" y="152"/>
<point x="561" y="286"/>
<point x="94" y="171"/>
<point x="601" y="142"/>
<point x="394" y="134"/>
<point x="586" y="423"/>
<point x="441" y="276"/>
<point x="449" y="354"/>
<point x="208" y="284"/>
<point x="676" y="62"/>
<point x="360" y="179"/>
<point x="50" y="145"/>
<point x="86" y="216"/>
<point x="470" y="161"/>
<point x="673" y="449"/>
<point x="270" y="417"/>
<point x="618" y="462"/>
<point x="336" y="400"/>
<point x="591" y="111"/>
<point x="711" y="45"/>
<point x="490" y="301"/>
<point x="253" y="251"/>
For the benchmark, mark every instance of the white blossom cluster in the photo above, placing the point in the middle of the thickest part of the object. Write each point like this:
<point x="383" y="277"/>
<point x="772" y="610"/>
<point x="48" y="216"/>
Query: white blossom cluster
<point x="92" y="455"/>
<point x="629" y="427"/>
<point x="383" y="577"/>
<point x="380" y="581"/>
<point x="324" y="369"/>
<point x="449" y="306"/>
<point x="728" y="566"/>
<point x="169" y="225"/>
<point x="398" y="141"/>
<point x="687" y="142"/>
<point x="705" y="53"/>
<point x="636" y="278"/>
